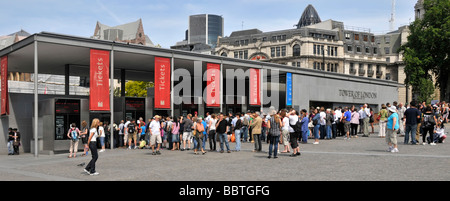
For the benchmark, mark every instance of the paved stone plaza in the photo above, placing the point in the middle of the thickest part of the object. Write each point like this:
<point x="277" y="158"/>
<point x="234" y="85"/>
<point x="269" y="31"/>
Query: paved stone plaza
<point x="356" y="159"/>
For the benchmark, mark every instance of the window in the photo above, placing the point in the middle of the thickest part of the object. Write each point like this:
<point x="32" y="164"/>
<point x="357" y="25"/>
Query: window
<point x="255" y="40"/>
<point x="274" y="38"/>
<point x="272" y="52"/>
<point x="236" y="55"/>
<point x="386" y="50"/>
<point x="358" y="49"/>
<point x="283" y="37"/>
<point x="335" y="51"/>
<point x="329" y="51"/>
<point x="387" y="39"/>
<point x="283" y="51"/>
<point x="278" y="52"/>
<point x="264" y="39"/>
<point x="224" y="54"/>
<point x="314" y="49"/>
<point x="372" y="39"/>
<point x="296" y="50"/>
<point x="367" y="50"/>
<point x="322" y="50"/>
<point x="349" y="48"/>
<point x="375" y="50"/>
<point x="347" y="36"/>
<point x="356" y="36"/>
<point x="246" y="54"/>
<point x="241" y="54"/>
<point x="366" y="38"/>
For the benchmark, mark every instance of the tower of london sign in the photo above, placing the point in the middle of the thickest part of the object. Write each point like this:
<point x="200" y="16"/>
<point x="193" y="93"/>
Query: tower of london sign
<point x="360" y="95"/>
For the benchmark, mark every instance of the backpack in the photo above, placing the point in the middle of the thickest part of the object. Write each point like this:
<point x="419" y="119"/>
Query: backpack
<point x="297" y="126"/>
<point x="167" y="128"/>
<point x="74" y="134"/>
<point x="131" y="128"/>
<point x="428" y="120"/>
<point x="245" y="123"/>
<point x="316" y="120"/>
<point x="200" y="127"/>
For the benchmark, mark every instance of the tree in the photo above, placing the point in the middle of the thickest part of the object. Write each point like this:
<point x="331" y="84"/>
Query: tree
<point x="426" y="53"/>
<point x="137" y="88"/>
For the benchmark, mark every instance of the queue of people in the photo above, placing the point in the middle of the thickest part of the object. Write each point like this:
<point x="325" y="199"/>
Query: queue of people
<point x="283" y="130"/>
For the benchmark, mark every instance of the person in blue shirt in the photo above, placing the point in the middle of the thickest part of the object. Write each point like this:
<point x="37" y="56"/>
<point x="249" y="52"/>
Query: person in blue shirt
<point x="392" y="129"/>
<point x="205" y="134"/>
<point x="347" y="118"/>
<point x="305" y="121"/>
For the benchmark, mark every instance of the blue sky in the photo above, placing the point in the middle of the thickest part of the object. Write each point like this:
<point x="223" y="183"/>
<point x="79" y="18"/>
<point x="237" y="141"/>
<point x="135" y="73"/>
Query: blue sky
<point x="165" y="21"/>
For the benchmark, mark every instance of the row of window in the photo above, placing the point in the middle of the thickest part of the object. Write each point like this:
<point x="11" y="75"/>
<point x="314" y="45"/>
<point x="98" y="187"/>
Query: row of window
<point x="365" y="37"/>
<point x="367" y="49"/>
<point x="319" y="50"/>
<point x="331" y="67"/>
<point x="241" y="54"/>
<point x="264" y="39"/>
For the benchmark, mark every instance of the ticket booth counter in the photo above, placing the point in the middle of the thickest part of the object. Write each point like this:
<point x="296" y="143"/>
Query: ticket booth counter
<point x="56" y="115"/>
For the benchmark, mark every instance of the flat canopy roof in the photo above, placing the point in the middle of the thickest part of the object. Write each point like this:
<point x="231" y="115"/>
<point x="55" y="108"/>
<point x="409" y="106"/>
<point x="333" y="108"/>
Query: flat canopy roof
<point x="55" y="51"/>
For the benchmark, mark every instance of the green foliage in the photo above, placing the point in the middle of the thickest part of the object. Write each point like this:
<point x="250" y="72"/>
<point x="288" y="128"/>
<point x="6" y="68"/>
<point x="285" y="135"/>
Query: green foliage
<point x="427" y="51"/>
<point x="137" y="88"/>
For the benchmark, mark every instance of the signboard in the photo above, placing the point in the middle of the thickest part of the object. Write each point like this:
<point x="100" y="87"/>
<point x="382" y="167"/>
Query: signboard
<point x="162" y="83"/>
<point x="288" y="89"/>
<point x="135" y="104"/>
<point x="4" y="85"/>
<point x="99" y="81"/>
<point x="254" y="85"/>
<point x="67" y="106"/>
<point x="213" y="85"/>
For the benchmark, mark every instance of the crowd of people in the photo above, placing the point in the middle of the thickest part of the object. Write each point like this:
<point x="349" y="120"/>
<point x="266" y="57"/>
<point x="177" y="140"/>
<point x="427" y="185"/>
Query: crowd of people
<point x="283" y="130"/>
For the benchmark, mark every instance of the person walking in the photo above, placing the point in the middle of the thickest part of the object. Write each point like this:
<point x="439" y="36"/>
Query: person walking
<point x="428" y="124"/>
<point x="92" y="141"/>
<point x="74" y="135"/>
<point x="392" y="129"/>
<point x="274" y="126"/>
<point x="256" y="131"/>
<point x="221" y="130"/>
<point x="412" y="114"/>
<point x="383" y="114"/>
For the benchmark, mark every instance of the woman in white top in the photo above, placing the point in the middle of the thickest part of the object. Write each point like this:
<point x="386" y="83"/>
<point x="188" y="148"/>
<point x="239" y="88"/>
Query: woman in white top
<point x="90" y="168"/>
<point x="285" y="131"/>
<point x="101" y="135"/>
<point x="212" y="132"/>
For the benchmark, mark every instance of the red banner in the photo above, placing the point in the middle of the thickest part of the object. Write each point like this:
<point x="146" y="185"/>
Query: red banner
<point x="254" y="85"/>
<point x="162" y="83"/>
<point x="4" y="85"/>
<point x="99" y="81"/>
<point x="213" y="85"/>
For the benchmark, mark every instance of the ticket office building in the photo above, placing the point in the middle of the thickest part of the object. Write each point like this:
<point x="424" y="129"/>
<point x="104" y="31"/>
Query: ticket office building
<point x="239" y="88"/>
